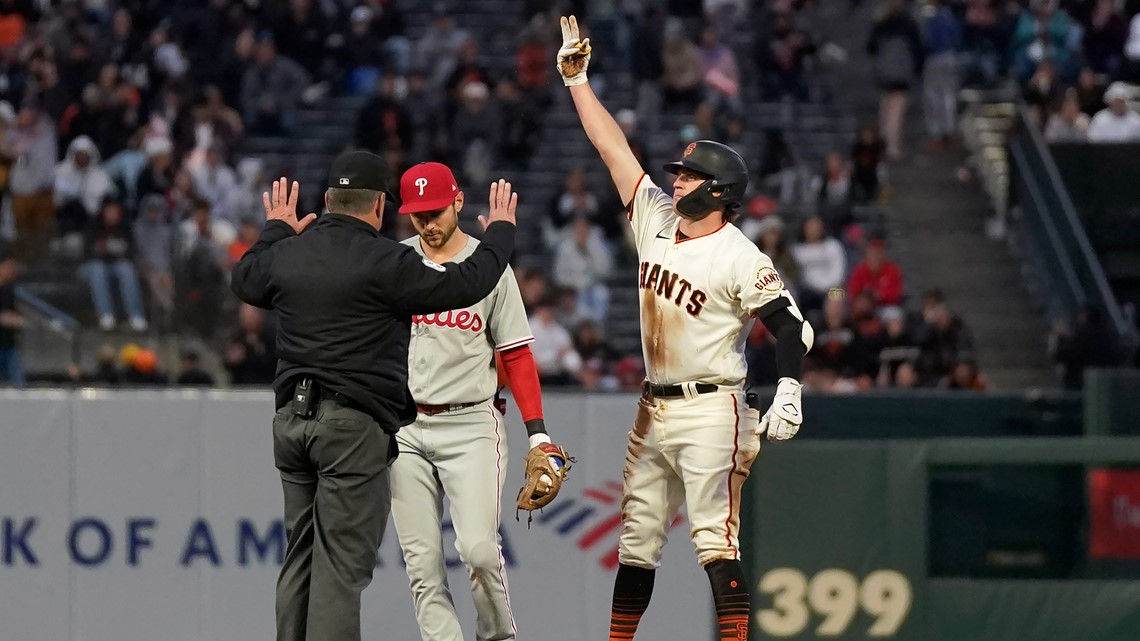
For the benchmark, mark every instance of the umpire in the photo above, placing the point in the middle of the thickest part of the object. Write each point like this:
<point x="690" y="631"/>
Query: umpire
<point x="344" y="296"/>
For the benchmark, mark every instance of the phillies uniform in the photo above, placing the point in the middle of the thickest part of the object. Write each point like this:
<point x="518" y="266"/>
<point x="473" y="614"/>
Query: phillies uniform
<point x="698" y="299"/>
<point x="457" y="448"/>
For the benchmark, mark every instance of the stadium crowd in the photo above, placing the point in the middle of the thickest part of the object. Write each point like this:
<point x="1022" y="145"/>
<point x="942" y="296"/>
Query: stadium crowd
<point x="122" y="125"/>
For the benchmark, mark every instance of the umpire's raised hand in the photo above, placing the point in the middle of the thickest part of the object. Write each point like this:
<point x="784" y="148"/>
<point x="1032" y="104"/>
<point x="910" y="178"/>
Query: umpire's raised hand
<point x="282" y="205"/>
<point x="503" y="204"/>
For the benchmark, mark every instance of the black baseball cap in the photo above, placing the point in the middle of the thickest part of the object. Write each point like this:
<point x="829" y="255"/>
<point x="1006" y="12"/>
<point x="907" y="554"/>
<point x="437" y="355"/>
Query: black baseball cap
<point x="362" y="170"/>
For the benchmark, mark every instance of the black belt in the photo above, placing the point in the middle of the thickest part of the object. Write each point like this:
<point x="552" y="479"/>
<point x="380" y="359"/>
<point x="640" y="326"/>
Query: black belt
<point x="668" y="391"/>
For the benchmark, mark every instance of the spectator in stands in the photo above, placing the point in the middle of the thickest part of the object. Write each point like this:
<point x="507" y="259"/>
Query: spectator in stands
<point x="303" y="34"/>
<point x="598" y="358"/>
<point x="11" y="370"/>
<point x="943" y="37"/>
<point x="575" y="201"/>
<point x="1090" y="92"/>
<point x="362" y="57"/>
<point x="154" y="236"/>
<point x="877" y="274"/>
<point x="583" y="263"/>
<point x="427" y="133"/>
<point x="682" y="82"/>
<point x="1116" y="123"/>
<point x="965" y="376"/>
<point x="648" y="62"/>
<point x="628" y="121"/>
<point x="869" y="332"/>
<point x="468" y="68"/>
<point x="388" y="27"/>
<point x="111" y="253"/>
<point x="476" y="131"/>
<point x="142" y="370"/>
<point x="1041" y="92"/>
<point x="839" y="349"/>
<point x="1132" y="51"/>
<point x="554" y="355"/>
<point x="1068" y="124"/>
<point x="897" y="345"/>
<point x="533" y="287"/>
<point x="32" y="144"/>
<point x="248" y="231"/>
<point x="192" y="374"/>
<point x="836" y="193"/>
<point x="80" y="187"/>
<point x="251" y="355"/>
<point x="897" y="48"/>
<point x="271" y="90"/>
<point x="384" y="122"/>
<point x="437" y="51"/>
<point x="985" y="40"/>
<point x="906" y="376"/>
<point x="822" y="263"/>
<point x="781" y="56"/>
<point x="200" y="275"/>
<point x="943" y="340"/>
<point x="1105" y="32"/>
<point x="1088" y="344"/>
<point x="235" y="60"/>
<point x="532" y="65"/>
<point x="157" y="177"/>
<point x="521" y="127"/>
<point x="1045" y="32"/>
<point x="721" y="73"/>
<point x="216" y="182"/>
<point x="867" y="154"/>
<point x="105" y="373"/>
<point x="209" y="126"/>
<point x="770" y="239"/>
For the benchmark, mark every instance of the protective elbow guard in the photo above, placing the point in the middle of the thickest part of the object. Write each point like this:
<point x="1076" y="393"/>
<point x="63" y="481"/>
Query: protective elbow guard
<point x="807" y="336"/>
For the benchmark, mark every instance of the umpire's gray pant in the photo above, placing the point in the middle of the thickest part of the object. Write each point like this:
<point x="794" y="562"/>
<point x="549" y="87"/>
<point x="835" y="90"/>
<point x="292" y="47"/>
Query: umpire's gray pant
<point x="334" y="470"/>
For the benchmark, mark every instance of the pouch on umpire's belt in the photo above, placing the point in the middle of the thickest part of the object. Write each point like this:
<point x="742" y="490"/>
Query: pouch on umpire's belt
<point x="305" y="399"/>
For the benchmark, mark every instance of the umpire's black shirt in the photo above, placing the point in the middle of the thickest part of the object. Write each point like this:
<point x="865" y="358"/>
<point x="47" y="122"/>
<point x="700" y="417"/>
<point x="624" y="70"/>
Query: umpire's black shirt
<point x="345" y="295"/>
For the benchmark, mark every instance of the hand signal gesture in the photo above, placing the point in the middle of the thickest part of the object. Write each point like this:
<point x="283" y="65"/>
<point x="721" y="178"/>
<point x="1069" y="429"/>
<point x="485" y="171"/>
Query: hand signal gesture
<point x="282" y="205"/>
<point x="503" y="204"/>
<point x="574" y="56"/>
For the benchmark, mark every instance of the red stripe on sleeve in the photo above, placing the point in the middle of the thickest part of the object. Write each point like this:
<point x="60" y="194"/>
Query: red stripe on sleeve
<point x="522" y="378"/>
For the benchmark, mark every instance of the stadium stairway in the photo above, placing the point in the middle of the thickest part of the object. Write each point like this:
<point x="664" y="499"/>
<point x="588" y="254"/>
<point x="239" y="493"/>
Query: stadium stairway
<point x="939" y="229"/>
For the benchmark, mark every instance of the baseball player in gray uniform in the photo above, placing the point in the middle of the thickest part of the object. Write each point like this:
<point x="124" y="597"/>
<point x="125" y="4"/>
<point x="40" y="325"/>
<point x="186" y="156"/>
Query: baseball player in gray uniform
<point x="457" y="447"/>
<point x="701" y="284"/>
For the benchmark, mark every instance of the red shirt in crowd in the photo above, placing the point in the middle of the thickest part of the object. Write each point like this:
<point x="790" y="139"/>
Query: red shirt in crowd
<point x="886" y="282"/>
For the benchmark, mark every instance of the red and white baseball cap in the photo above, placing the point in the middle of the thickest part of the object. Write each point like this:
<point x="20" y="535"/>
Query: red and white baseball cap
<point x="427" y="186"/>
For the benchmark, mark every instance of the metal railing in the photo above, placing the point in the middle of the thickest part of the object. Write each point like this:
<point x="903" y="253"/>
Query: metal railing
<point x="1058" y="247"/>
<point x="49" y="335"/>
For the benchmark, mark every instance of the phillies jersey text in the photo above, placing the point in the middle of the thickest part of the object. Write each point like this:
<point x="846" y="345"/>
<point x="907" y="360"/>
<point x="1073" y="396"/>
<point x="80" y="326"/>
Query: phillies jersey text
<point x="698" y="295"/>
<point x="451" y="356"/>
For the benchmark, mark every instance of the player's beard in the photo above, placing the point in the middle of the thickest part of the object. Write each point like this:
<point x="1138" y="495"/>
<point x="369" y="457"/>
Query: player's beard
<point x="443" y="232"/>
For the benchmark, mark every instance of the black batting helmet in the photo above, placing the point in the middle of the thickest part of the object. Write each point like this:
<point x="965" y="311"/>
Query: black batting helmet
<point x="725" y="171"/>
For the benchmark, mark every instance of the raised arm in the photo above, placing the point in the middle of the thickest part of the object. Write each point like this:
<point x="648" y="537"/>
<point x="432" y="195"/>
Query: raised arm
<point x="601" y="128"/>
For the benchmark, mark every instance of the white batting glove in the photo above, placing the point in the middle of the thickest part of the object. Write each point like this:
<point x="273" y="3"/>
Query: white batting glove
<point x="783" y="419"/>
<point x="574" y="56"/>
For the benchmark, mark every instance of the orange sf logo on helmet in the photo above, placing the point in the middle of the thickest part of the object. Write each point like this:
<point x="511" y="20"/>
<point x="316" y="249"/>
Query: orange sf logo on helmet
<point x="689" y="149"/>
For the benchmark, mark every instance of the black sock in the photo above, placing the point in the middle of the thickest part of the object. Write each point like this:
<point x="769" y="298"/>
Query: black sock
<point x="730" y="597"/>
<point x="632" y="588"/>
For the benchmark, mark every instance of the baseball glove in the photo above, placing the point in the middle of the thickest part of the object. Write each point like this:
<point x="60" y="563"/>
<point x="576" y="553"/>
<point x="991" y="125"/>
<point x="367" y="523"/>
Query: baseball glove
<point x="543" y="478"/>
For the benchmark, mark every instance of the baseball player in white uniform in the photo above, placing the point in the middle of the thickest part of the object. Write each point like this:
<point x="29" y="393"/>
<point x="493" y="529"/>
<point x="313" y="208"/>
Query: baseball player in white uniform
<point x="697" y="432"/>
<point x="457" y="447"/>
